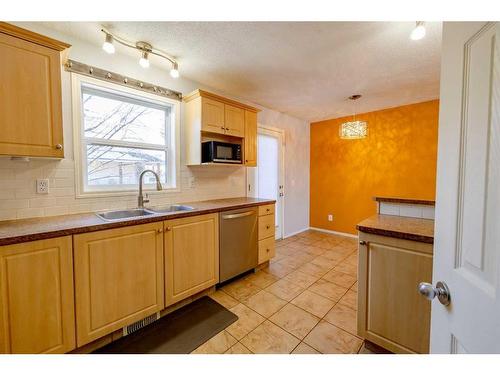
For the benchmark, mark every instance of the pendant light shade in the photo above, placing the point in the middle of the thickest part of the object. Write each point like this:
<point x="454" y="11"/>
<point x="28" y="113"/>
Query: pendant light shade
<point x="354" y="129"/>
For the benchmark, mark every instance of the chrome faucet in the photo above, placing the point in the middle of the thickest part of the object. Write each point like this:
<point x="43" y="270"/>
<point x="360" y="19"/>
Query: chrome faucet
<point x="140" y="198"/>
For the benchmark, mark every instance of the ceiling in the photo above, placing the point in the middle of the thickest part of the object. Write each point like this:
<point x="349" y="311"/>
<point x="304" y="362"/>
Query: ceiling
<point x="305" y="69"/>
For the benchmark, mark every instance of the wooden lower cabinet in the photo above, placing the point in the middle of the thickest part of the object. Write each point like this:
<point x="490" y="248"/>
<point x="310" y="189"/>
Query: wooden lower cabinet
<point x="191" y="256"/>
<point x="36" y="297"/>
<point x="391" y="312"/>
<point x="118" y="278"/>
<point x="267" y="233"/>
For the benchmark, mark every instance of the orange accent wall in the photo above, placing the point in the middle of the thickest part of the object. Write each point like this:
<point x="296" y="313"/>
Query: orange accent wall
<point x="398" y="158"/>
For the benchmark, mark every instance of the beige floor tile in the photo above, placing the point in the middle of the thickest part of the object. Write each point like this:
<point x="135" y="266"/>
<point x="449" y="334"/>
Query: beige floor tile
<point x="332" y="255"/>
<point x="313" y="303"/>
<point x="328" y="290"/>
<point x="278" y="257"/>
<point x="325" y="262"/>
<point x="262" y="279"/>
<point x="294" y="320"/>
<point x="238" y="348"/>
<point x="224" y="299"/>
<point x="350" y="299"/>
<point x="285" y="289"/>
<point x="278" y="269"/>
<point x="269" y="338"/>
<point x="217" y="344"/>
<point x="340" y="278"/>
<point x="241" y="289"/>
<point x="313" y="250"/>
<point x="355" y="286"/>
<point x="314" y="269"/>
<point x="303" y="348"/>
<point x="292" y="262"/>
<point x="347" y="268"/>
<point x="265" y="303"/>
<point x="327" y="338"/>
<point x="287" y="250"/>
<point x="301" y="279"/>
<point x="303" y="257"/>
<point x="247" y="321"/>
<point x="343" y="317"/>
<point x="297" y="246"/>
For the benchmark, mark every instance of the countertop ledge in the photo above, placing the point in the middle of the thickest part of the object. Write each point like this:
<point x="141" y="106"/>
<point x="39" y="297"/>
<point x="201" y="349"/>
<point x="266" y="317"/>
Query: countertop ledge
<point x="405" y="200"/>
<point x="40" y="228"/>
<point x="406" y="228"/>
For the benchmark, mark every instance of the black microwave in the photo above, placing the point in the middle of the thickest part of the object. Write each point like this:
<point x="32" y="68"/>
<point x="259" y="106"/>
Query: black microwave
<point x="220" y="152"/>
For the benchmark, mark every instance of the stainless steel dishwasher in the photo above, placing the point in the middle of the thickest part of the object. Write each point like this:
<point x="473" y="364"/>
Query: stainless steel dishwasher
<point x="238" y="236"/>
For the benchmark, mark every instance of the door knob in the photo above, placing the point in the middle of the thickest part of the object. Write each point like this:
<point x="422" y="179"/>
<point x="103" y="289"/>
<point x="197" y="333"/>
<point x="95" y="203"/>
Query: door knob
<point x="441" y="291"/>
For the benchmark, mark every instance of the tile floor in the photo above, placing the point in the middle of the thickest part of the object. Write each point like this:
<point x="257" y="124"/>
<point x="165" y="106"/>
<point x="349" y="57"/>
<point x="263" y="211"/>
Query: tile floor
<point x="303" y="302"/>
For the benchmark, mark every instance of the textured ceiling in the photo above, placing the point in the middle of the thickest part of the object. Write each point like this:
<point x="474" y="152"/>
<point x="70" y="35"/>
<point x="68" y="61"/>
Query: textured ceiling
<point x="305" y="69"/>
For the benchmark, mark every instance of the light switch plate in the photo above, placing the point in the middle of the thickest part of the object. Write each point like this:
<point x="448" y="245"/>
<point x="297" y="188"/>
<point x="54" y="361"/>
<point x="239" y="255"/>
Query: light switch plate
<point x="42" y="186"/>
<point x="330" y="217"/>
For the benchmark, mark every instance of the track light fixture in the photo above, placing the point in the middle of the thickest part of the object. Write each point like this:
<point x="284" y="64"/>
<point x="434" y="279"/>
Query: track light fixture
<point x="419" y="31"/>
<point x="145" y="49"/>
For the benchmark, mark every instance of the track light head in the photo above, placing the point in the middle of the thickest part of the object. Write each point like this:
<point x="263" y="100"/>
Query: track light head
<point x="418" y="32"/>
<point x="174" y="72"/>
<point x="144" y="60"/>
<point x="108" y="45"/>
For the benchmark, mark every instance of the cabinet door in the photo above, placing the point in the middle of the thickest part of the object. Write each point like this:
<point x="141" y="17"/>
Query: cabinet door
<point x="234" y="121"/>
<point x="191" y="256"/>
<point x="36" y="297"/>
<point x="391" y="312"/>
<point x="267" y="249"/>
<point x="212" y="116"/>
<point x="118" y="278"/>
<point x="250" y="139"/>
<point x="30" y="93"/>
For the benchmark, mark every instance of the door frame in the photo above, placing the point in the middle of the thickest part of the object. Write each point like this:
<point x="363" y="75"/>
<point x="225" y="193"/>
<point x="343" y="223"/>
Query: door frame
<point x="280" y="133"/>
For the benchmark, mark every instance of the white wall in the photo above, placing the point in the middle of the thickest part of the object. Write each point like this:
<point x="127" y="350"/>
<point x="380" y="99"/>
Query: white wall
<point x="17" y="179"/>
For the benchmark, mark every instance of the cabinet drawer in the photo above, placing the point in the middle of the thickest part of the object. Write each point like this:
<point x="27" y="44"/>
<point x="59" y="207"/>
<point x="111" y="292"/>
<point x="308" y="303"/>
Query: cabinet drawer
<point x="268" y="209"/>
<point x="266" y="226"/>
<point x="266" y="249"/>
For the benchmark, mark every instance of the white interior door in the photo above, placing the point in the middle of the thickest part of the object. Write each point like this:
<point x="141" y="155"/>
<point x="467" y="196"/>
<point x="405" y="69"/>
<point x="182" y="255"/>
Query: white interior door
<point x="267" y="179"/>
<point x="467" y="242"/>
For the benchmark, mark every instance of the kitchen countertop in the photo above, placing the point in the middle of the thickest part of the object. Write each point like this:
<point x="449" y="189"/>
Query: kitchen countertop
<point x="405" y="200"/>
<point x="25" y="230"/>
<point x="407" y="228"/>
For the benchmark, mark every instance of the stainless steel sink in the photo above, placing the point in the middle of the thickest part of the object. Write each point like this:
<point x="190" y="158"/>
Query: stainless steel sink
<point x="124" y="214"/>
<point x="172" y="208"/>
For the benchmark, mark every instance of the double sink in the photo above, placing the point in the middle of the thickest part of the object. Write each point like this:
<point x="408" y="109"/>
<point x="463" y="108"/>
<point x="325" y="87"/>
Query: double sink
<point x="141" y="212"/>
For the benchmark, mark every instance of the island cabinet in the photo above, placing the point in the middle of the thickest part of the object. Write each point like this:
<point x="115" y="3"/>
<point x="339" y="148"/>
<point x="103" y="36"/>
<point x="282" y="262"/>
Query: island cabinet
<point x="391" y="312"/>
<point x="118" y="278"/>
<point x="208" y="116"/>
<point x="30" y="93"/>
<point x="36" y="297"/>
<point x="191" y="256"/>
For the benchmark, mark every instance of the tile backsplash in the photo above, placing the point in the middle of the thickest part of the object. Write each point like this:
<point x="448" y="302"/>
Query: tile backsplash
<point x="18" y="197"/>
<point x="408" y="210"/>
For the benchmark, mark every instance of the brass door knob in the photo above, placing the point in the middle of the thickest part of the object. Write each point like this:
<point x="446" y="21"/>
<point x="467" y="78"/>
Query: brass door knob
<point x="59" y="146"/>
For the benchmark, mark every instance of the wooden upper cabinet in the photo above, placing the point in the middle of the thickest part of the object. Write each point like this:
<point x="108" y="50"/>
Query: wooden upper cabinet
<point x="250" y="147"/>
<point x="118" y="278"/>
<point x="30" y="93"/>
<point x="212" y="116"/>
<point x="191" y="256"/>
<point x="36" y="297"/>
<point x="234" y="118"/>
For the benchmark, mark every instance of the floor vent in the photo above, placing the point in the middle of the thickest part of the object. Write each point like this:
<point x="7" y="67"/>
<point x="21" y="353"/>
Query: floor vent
<point x="140" y="324"/>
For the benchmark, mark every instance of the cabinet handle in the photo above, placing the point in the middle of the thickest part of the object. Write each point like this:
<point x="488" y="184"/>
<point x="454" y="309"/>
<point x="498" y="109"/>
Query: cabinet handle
<point x="267" y="250"/>
<point x="362" y="243"/>
<point x="267" y="227"/>
<point x="222" y="127"/>
<point x="227" y="128"/>
<point x="168" y="228"/>
<point x="268" y="209"/>
<point x="59" y="146"/>
<point x="160" y="230"/>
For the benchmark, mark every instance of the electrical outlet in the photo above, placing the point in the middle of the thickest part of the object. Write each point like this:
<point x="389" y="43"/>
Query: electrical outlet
<point x="330" y="217"/>
<point x="42" y="186"/>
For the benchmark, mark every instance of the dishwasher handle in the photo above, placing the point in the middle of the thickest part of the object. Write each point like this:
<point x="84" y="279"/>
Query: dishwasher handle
<point x="236" y="216"/>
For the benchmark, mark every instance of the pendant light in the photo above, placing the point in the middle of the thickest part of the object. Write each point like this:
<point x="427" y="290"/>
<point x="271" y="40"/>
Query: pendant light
<point x="354" y="129"/>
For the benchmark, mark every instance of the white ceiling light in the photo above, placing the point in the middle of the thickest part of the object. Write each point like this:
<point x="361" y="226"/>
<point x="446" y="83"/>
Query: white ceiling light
<point x="145" y="48"/>
<point x="174" y="72"/>
<point x="354" y="129"/>
<point x="144" y="61"/>
<point x="418" y="32"/>
<point x="108" y="44"/>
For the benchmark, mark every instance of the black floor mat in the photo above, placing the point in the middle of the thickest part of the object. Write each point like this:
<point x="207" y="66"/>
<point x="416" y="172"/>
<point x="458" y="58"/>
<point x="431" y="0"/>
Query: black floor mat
<point x="177" y="333"/>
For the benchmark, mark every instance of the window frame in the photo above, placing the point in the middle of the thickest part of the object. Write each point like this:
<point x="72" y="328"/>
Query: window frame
<point x="80" y="142"/>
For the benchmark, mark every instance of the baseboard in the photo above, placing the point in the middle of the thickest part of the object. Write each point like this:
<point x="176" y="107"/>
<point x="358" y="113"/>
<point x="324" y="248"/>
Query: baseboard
<point x="334" y="232"/>
<point x="294" y="233"/>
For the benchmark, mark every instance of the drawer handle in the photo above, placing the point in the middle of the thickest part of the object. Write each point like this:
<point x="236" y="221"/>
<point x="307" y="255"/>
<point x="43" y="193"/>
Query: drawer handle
<point x="59" y="146"/>
<point x="160" y="230"/>
<point x="168" y="228"/>
<point x="268" y="226"/>
<point x="227" y="128"/>
<point x="268" y="209"/>
<point x="362" y="243"/>
<point x="268" y="250"/>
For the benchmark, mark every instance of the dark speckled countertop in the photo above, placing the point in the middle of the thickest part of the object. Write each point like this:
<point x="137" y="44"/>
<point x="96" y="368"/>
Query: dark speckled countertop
<point x="24" y="230"/>
<point x="407" y="228"/>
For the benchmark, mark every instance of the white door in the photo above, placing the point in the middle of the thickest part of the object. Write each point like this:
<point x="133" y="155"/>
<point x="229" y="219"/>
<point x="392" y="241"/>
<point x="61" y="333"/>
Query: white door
<point x="267" y="179"/>
<point x="467" y="242"/>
